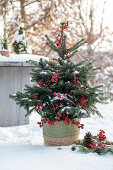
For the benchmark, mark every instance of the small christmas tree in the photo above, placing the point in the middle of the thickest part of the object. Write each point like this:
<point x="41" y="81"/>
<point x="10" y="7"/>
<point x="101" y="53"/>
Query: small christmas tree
<point x="20" y="41"/>
<point x="61" y="90"/>
<point x="4" y="42"/>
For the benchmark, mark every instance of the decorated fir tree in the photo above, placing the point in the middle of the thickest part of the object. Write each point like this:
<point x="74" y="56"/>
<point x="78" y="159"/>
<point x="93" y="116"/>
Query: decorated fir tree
<point x="61" y="89"/>
<point x="4" y="42"/>
<point x="20" y="41"/>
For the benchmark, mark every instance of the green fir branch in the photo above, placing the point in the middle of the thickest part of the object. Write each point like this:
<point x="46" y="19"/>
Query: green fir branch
<point x="51" y="44"/>
<point x="77" y="45"/>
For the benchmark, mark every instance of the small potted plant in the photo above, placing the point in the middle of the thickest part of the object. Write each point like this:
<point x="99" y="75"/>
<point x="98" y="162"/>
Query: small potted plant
<point x="20" y="41"/>
<point x="4" y="45"/>
<point x="61" y="93"/>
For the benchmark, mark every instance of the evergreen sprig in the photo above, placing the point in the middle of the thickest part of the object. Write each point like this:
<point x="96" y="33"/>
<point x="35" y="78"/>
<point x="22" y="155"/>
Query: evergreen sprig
<point x="20" y="42"/>
<point x="101" y="145"/>
<point x="4" y="41"/>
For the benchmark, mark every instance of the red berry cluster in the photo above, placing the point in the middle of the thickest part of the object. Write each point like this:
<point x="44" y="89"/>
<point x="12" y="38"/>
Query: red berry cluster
<point x="60" y="102"/>
<point x="60" y="36"/>
<point x="84" y="107"/>
<point x="96" y="146"/>
<point x="82" y="100"/>
<point x="108" y="143"/>
<point x="101" y="143"/>
<point x="47" y="80"/>
<point x="40" y="106"/>
<point x="67" y="54"/>
<point x="76" y="81"/>
<point x="56" y="106"/>
<point x="59" y="114"/>
<point x="81" y="103"/>
<point x="40" y="83"/>
<point x="93" y="146"/>
<point x="36" y="97"/>
<point x="68" y="120"/>
<point x="59" y="95"/>
<point x="43" y="121"/>
<point x="77" y="124"/>
<point x="101" y="135"/>
<point x="54" y="77"/>
<point x="64" y="117"/>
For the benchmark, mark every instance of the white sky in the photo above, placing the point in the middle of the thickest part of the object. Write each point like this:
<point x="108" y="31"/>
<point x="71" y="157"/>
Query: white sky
<point x="109" y="14"/>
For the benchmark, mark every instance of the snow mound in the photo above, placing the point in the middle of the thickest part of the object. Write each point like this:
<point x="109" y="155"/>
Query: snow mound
<point x="21" y="58"/>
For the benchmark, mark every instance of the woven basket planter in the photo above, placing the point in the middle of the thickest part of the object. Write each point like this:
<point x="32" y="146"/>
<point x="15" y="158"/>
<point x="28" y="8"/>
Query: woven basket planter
<point x="60" y="134"/>
<point x="5" y="53"/>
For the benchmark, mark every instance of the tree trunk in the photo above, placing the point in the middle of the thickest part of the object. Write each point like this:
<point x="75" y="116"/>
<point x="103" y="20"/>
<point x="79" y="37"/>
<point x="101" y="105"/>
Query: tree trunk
<point x="23" y="15"/>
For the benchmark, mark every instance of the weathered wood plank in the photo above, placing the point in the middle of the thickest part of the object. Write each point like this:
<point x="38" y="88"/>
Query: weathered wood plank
<point x="12" y="79"/>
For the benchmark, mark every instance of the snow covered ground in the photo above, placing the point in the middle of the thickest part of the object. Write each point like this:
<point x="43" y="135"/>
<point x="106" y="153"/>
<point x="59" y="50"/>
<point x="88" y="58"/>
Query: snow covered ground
<point x="22" y="147"/>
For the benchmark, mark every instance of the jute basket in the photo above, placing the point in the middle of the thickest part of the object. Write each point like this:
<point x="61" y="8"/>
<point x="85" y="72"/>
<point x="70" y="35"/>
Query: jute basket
<point x="61" y="134"/>
<point x="5" y="53"/>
